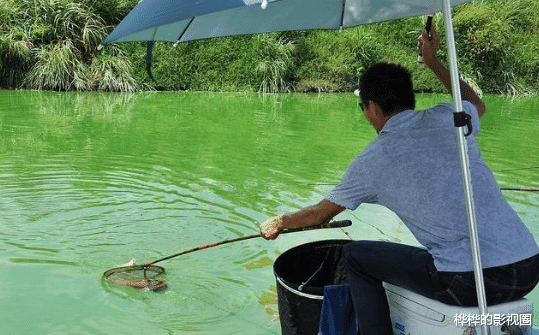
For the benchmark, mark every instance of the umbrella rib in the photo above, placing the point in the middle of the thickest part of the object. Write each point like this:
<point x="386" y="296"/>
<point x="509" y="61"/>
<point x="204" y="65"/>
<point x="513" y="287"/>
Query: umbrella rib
<point x="184" y="30"/>
<point x="342" y="13"/>
<point x="154" y="32"/>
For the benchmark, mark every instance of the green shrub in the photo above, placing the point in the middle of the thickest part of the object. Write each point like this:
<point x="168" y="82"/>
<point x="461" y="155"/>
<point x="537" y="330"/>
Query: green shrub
<point x="112" y="71"/>
<point x="494" y="39"/>
<point x="58" y="67"/>
<point x="51" y="44"/>
<point x="275" y="60"/>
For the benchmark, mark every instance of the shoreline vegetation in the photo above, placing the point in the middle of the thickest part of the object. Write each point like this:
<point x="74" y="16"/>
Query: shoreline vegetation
<point x="52" y="45"/>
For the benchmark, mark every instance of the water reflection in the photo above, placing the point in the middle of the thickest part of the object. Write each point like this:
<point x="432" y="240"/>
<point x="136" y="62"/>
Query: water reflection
<point x="90" y="180"/>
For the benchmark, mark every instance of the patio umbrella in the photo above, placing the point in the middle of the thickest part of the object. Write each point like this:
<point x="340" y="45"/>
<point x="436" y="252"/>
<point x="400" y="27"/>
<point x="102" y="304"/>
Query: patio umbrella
<point x="185" y="20"/>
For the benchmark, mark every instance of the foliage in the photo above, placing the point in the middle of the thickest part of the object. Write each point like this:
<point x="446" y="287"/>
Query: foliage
<point x="52" y="44"/>
<point x="58" y="67"/>
<point x="275" y="59"/>
<point x="498" y="40"/>
<point x="110" y="11"/>
<point x="329" y="63"/>
<point x="110" y="71"/>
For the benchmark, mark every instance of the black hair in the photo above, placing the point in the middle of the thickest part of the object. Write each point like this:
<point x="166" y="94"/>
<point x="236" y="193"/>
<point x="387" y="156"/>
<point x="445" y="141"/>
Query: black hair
<point x="389" y="85"/>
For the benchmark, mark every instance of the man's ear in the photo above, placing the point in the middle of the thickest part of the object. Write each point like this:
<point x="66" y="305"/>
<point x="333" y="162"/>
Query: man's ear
<point x="376" y="108"/>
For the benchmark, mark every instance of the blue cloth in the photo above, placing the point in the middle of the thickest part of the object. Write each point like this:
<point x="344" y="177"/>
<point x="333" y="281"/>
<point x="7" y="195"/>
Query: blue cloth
<point x="337" y="316"/>
<point x="413" y="168"/>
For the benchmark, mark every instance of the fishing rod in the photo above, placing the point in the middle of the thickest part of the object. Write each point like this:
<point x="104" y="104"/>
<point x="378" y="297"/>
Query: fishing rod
<point x="521" y="189"/>
<point x="333" y="224"/>
<point x="146" y="276"/>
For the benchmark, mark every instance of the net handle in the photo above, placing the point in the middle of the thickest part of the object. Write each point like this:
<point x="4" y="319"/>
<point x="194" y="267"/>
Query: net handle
<point x="333" y="224"/>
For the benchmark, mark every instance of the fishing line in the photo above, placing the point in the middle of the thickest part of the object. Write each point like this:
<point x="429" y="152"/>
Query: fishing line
<point x="251" y="322"/>
<point x="366" y="223"/>
<point x="523" y="168"/>
<point x="347" y="234"/>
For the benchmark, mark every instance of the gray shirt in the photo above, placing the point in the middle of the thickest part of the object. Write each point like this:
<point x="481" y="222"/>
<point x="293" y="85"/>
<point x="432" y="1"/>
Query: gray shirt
<point x="413" y="168"/>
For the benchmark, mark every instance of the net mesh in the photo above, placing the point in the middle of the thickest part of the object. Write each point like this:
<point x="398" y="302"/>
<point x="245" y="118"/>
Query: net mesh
<point x="138" y="276"/>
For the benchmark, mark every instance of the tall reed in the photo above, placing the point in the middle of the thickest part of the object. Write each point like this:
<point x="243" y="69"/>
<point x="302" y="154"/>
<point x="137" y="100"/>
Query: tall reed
<point x="15" y="59"/>
<point x="51" y="44"/>
<point x="275" y="62"/>
<point x="58" y="67"/>
<point x="112" y="71"/>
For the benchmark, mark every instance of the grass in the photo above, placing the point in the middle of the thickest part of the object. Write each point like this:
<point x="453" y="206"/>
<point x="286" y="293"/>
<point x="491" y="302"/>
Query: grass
<point x="110" y="71"/>
<point x="51" y="44"/>
<point x="58" y="67"/>
<point x="275" y="61"/>
<point x="499" y="40"/>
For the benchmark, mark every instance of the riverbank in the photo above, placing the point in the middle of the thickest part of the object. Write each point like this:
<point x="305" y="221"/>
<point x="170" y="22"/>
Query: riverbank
<point x="497" y="41"/>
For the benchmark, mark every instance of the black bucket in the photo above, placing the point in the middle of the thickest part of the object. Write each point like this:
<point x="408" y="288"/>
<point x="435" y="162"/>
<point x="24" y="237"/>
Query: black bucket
<point x="301" y="274"/>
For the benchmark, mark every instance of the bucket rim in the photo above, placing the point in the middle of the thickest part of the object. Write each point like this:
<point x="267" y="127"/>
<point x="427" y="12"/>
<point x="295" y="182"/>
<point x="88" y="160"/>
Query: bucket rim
<point x="313" y="292"/>
<point x="296" y="292"/>
<point x="307" y="244"/>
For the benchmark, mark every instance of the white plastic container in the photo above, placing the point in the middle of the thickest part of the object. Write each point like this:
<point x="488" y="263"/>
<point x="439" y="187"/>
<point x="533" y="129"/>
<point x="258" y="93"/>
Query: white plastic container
<point x="413" y="314"/>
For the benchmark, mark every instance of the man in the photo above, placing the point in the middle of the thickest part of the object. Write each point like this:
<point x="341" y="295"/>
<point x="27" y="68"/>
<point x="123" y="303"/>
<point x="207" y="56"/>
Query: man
<point x="412" y="167"/>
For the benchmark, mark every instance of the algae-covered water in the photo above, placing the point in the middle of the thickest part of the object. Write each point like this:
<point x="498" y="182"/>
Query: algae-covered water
<point x="91" y="180"/>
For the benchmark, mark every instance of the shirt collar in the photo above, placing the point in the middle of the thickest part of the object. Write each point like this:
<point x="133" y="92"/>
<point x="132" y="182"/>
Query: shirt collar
<point x="398" y="120"/>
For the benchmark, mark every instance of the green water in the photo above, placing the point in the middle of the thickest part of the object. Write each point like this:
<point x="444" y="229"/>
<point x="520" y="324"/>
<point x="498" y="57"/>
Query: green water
<point x="92" y="180"/>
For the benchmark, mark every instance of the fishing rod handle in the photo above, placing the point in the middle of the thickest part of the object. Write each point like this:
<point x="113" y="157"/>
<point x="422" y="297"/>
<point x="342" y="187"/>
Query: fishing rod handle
<point x="428" y="26"/>
<point x="332" y="224"/>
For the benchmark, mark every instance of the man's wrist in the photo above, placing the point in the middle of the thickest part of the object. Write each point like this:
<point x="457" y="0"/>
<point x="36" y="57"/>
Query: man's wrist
<point x="434" y="63"/>
<point x="279" y="222"/>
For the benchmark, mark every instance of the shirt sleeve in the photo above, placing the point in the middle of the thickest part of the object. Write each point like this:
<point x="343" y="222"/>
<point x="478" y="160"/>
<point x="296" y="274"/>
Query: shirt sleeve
<point x="354" y="188"/>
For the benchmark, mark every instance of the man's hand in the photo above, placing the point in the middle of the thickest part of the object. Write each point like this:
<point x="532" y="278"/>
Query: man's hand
<point x="428" y="46"/>
<point x="314" y="215"/>
<point x="271" y="228"/>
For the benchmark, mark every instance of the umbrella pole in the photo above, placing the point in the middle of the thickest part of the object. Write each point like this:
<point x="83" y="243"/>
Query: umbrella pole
<point x="465" y="166"/>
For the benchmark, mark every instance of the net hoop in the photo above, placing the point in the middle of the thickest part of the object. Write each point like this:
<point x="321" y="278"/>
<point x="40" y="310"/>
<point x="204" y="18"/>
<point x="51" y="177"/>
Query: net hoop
<point x="138" y="276"/>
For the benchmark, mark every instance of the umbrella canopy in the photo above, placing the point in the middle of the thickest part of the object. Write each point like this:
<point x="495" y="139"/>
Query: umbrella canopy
<point x="186" y="20"/>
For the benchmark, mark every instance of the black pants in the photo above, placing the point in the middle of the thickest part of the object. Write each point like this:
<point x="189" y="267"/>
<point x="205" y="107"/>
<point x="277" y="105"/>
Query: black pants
<point x="368" y="263"/>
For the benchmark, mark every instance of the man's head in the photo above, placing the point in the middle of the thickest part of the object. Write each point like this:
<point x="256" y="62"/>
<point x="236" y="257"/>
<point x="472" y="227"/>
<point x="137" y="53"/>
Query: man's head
<point x="389" y="86"/>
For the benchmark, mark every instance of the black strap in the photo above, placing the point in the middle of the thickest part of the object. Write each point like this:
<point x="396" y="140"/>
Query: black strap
<point x="462" y="119"/>
<point x="149" y="50"/>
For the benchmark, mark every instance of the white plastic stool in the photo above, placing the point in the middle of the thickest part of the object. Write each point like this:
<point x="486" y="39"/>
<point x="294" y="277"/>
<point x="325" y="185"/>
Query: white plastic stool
<point x="414" y="314"/>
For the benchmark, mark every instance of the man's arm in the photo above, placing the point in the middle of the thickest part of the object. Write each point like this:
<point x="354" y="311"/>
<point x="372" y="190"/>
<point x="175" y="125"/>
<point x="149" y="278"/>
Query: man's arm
<point x="429" y="49"/>
<point x="320" y="213"/>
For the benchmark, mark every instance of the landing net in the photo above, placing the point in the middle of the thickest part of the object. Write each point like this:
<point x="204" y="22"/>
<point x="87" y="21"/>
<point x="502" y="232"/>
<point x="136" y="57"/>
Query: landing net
<point x="138" y="276"/>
